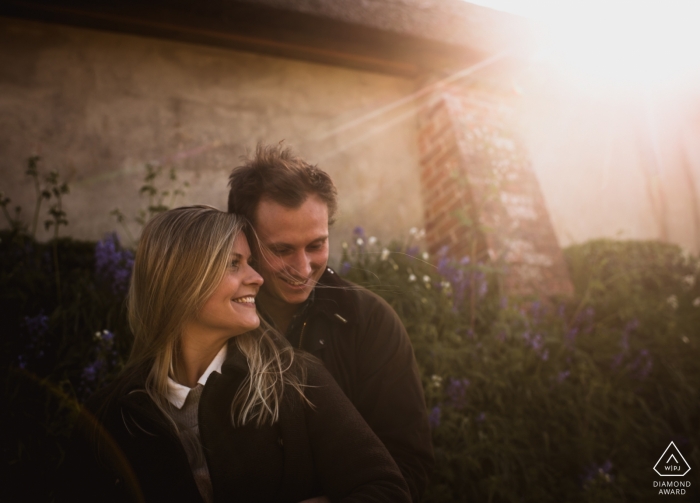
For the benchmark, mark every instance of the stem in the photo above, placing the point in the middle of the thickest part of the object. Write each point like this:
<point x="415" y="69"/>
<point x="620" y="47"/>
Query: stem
<point x="128" y="233"/>
<point x="472" y="292"/>
<point x="39" y="198"/>
<point x="55" y="268"/>
<point x="8" y="217"/>
<point x="57" y="224"/>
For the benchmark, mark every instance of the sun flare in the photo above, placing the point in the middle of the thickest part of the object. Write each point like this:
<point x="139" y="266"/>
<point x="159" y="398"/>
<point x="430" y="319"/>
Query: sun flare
<point x="617" y="43"/>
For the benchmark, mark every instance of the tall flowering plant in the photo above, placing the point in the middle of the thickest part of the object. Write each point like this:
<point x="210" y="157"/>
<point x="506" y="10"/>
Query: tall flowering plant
<point x="534" y="400"/>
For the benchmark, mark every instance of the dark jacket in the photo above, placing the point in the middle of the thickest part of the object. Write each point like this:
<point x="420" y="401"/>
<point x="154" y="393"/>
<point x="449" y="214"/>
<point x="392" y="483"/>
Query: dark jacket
<point x="325" y="450"/>
<point x="365" y="347"/>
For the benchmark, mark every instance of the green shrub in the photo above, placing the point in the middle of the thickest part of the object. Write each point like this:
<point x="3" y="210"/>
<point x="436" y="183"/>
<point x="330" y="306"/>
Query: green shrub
<point x="535" y="401"/>
<point x="529" y="400"/>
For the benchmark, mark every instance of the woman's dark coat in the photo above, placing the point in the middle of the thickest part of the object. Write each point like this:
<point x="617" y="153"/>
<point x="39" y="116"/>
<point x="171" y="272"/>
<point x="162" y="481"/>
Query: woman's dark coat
<point x="327" y="449"/>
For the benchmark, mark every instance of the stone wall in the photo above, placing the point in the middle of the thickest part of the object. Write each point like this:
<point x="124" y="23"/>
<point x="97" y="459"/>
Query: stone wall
<point x="98" y="106"/>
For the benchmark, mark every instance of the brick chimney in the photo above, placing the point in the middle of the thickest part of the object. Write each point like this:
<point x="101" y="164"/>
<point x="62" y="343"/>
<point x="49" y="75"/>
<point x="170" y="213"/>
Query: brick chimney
<point x="481" y="196"/>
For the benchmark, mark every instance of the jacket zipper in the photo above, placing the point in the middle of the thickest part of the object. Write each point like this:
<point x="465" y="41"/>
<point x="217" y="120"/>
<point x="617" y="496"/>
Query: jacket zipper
<point x="301" y="335"/>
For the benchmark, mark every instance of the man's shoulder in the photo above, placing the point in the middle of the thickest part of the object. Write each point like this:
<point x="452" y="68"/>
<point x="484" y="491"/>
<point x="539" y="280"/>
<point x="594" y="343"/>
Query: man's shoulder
<point x="334" y="292"/>
<point x="332" y="285"/>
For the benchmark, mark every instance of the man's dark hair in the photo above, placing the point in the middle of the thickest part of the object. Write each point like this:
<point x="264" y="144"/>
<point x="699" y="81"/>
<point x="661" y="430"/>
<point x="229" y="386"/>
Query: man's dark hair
<point x="276" y="173"/>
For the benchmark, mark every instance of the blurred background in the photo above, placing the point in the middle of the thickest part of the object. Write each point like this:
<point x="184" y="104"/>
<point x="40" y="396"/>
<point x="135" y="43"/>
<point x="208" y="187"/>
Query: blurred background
<point x="602" y="96"/>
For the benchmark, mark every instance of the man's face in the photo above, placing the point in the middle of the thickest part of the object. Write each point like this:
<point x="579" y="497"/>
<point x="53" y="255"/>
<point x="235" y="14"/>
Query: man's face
<point x="294" y="247"/>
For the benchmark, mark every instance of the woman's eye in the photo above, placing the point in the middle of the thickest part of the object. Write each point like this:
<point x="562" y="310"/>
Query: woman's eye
<point x="235" y="264"/>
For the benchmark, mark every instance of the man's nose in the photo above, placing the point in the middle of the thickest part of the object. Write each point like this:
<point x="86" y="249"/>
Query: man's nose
<point x="301" y="264"/>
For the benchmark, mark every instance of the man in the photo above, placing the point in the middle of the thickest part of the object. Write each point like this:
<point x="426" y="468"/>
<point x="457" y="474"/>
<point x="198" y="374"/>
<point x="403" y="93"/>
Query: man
<point x="354" y="332"/>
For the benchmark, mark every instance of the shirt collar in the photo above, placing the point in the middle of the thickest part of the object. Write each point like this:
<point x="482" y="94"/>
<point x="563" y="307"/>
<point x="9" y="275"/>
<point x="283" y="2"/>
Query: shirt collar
<point x="177" y="393"/>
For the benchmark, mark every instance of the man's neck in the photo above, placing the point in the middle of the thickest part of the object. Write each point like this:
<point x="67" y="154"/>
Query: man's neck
<point x="281" y="313"/>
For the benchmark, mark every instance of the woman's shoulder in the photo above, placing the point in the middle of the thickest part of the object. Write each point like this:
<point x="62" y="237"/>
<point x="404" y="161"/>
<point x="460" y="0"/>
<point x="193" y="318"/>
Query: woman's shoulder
<point x="314" y="370"/>
<point x="107" y="398"/>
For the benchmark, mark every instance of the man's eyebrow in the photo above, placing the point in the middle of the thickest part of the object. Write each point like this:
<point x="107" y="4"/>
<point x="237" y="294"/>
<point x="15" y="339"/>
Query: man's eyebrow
<point x="289" y="245"/>
<point x="278" y="245"/>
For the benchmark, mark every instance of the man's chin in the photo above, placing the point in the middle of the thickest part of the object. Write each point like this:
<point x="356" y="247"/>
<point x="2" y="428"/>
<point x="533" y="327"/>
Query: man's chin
<point x="296" y="296"/>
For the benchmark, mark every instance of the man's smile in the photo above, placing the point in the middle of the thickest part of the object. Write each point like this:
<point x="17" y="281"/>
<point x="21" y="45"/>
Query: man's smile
<point x="294" y="282"/>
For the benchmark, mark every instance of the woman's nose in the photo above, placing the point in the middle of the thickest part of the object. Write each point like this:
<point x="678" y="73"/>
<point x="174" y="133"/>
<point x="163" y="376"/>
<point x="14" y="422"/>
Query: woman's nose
<point x="253" y="277"/>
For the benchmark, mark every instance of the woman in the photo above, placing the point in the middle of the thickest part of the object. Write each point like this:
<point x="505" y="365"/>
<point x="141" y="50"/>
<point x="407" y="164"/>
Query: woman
<point x="211" y="405"/>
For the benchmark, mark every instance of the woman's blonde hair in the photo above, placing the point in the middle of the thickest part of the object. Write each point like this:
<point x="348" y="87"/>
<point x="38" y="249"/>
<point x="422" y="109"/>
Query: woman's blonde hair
<point x="181" y="258"/>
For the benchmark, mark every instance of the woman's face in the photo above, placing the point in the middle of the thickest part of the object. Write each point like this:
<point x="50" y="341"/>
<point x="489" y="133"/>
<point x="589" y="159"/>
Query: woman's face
<point x="230" y="310"/>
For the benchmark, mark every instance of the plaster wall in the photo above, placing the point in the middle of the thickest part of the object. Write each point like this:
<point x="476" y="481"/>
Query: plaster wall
<point x="98" y="106"/>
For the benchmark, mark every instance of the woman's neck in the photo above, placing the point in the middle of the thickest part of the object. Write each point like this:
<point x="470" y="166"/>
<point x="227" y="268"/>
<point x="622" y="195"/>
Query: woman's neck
<point x="194" y="357"/>
<point x="279" y="311"/>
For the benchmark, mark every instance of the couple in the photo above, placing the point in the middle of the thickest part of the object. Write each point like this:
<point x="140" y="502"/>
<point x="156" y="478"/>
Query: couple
<point x="215" y="403"/>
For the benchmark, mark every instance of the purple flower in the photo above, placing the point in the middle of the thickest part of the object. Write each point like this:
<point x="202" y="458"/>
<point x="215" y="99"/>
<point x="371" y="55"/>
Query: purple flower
<point x="483" y="287"/>
<point x="457" y="392"/>
<point x="563" y="375"/>
<point x="570" y="337"/>
<point x="345" y="268"/>
<point x="589" y="315"/>
<point x="536" y="343"/>
<point x="625" y="343"/>
<point x="481" y="417"/>
<point x="585" y="320"/>
<point x="91" y="372"/>
<point x="113" y="263"/>
<point x="38" y="325"/>
<point x="105" y="359"/>
<point x="458" y="277"/>
<point x="598" y="472"/>
<point x="412" y="251"/>
<point x="107" y="336"/>
<point x="617" y="360"/>
<point x="434" y="417"/>
<point x="359" y="232"/>
<point x="642" y="365"/>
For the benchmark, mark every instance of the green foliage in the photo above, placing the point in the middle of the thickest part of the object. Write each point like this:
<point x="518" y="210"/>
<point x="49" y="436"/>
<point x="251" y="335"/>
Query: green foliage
<point x="161" y="197"/>
<point x="529" y="401"/>
<point x="541" y="402"/>
<point x="50" y="359"/>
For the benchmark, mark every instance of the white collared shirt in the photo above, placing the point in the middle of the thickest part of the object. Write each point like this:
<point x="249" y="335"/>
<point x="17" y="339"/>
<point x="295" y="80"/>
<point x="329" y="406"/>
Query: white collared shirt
<point x="177" y="393"/>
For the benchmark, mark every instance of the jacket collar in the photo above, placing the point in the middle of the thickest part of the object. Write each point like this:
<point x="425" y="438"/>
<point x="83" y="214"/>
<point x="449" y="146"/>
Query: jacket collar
<point x="334" y="299"/>
<point x="133" y="396"/>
